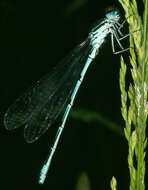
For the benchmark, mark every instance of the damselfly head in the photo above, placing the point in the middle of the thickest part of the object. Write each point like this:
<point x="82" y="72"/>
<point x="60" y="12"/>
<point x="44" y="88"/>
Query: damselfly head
<point x="113" y="15"/>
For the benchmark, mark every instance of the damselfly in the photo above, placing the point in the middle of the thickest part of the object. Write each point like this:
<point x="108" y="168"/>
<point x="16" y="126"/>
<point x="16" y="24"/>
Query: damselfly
<point x="41" y="105"/>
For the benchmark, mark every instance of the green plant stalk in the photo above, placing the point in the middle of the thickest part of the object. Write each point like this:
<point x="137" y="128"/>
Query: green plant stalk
<point x="136" y="113"/>
<point x="92" y="116"/>
<point x="145" y="24"/>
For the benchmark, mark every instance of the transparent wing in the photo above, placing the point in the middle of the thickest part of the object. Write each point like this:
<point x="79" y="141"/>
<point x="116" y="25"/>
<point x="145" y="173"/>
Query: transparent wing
<point x="40" y="105"/>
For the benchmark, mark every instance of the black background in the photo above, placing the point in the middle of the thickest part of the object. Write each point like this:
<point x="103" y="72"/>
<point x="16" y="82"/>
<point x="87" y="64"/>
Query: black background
<point x="34" y="37"/>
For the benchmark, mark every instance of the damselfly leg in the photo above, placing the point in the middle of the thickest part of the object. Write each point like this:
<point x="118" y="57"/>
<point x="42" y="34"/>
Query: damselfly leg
<point x="114" y="34"/>
<point x="119" y="26"/>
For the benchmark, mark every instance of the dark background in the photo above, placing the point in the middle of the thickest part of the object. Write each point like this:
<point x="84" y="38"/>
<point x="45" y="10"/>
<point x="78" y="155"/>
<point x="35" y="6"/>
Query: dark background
<point x="34" y="37"/>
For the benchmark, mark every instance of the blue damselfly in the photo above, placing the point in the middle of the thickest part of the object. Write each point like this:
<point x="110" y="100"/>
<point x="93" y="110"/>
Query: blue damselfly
<point x="40" y="105"/>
